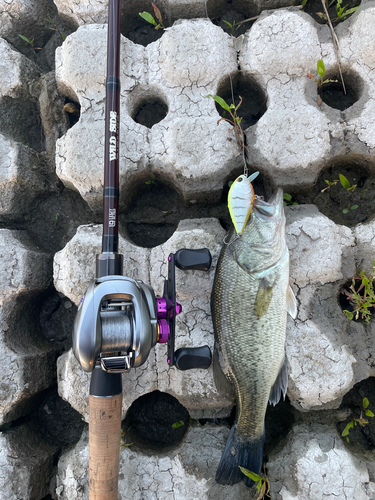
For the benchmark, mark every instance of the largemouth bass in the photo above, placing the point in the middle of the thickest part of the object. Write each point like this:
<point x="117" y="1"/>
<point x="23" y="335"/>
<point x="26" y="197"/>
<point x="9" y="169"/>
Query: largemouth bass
<point x="249" y="303"/>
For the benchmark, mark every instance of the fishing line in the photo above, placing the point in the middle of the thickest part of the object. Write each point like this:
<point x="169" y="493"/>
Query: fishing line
<point x="245" y="169"/>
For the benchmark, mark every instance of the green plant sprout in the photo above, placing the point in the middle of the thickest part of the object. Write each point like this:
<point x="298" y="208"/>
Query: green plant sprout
<point x="321" y="69"/>
<point x="288" y="200"/>
<point x="350" y="188"/>
<point x="361" y="421"/>
<point x="151" y="180"/>
<point x="150" y="19"/>
<point x="330" y="183"/>
<point x="54" y="27"/>
<point x="178" y="424"/>
<point x="346" y="184"/>
<point x="363" y="298"/>
<point x="341" y="12"/>
<point x="262" y="482"/>
<point x="235" y="120"/>
<point x="30" y="42"/>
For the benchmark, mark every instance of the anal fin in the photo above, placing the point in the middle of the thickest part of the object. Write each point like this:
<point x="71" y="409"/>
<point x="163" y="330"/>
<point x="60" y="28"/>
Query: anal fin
<point x="280" y="385"/>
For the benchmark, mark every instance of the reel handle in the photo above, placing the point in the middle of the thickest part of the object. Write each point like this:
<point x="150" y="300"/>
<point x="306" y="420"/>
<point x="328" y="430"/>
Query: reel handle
<point x="187" y="358"/>
<point x="199" y="259"/>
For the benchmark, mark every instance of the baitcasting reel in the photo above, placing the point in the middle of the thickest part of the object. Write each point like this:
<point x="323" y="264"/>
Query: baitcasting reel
<point x="120" y="319"/>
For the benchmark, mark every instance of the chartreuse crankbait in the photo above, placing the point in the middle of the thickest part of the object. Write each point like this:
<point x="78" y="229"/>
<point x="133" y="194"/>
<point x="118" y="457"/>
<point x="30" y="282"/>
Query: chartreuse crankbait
<point x="241" y="200"/>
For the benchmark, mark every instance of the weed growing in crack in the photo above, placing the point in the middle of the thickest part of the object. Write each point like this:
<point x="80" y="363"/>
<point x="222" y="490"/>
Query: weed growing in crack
<point x="150" y="19"/>
<point x="350" y="188"/>
<point x="361" y="421"/>
<point x="341" y="12"/>
<point x="362" y="298"/>
<point x="233" y="120"/>
<point x="123" y="443"/>
<point x="262" y="482"/>
<point x="30" y="42"/>
<point x="321" y="70"/>
<point x="178" y="424"/>
<point x="288" y="200"/>
<point x="53" y="25"/>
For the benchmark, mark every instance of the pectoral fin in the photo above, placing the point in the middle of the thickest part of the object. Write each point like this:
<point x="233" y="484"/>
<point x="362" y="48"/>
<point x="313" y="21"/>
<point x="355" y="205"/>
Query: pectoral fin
<point x="291" y="303"/>
<point x="223" y="384"/>
<point x="280" y="385"/>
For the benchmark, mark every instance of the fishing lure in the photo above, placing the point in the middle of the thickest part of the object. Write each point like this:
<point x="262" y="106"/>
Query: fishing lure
<point x="241" y="200"/>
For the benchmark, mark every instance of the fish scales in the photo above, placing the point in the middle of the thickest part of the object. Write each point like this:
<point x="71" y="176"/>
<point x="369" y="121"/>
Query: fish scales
<point x="249" y="309"/>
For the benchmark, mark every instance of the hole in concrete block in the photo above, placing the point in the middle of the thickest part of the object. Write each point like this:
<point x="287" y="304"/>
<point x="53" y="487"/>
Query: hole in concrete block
<point x="335" y="199"/>
<point x="234" y="17"/>
<point x="254" y="98"/>
<point x="332" y="93"/>
<point x="72" y="110"/>
<point x="147" y="107"/>
<point x="356" y="299"/>
<point x="153" y="211"/>
<point x="360" y="438"/>
<point x="137" y="29"/>
<point x="315" y="9"/>
<point x="156" y="421"/>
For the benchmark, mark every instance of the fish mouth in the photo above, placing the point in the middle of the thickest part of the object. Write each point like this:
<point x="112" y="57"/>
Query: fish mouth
<point x="273" y="208"/>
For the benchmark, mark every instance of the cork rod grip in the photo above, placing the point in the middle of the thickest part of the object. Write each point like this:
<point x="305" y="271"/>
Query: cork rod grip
<point x="104" y="446"/>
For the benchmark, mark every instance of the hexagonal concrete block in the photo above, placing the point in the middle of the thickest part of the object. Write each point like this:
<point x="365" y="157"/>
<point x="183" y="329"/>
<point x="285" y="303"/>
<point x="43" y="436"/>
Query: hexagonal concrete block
<point x="180" y="70"/>
<point x="315" y="464"/>
<point x="321" y="257"/>
<point x="195" y="388"/>
<point x="187" y="472"/>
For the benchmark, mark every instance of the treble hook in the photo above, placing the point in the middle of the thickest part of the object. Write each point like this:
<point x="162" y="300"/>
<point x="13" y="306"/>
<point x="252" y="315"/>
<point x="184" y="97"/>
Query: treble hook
<point x="228" y="244"/>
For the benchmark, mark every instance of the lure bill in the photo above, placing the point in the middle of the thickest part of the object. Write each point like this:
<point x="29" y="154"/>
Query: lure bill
<point x="241" y="198"/>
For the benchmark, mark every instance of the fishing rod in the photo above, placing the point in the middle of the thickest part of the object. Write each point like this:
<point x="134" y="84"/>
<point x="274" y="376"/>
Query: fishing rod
<point x="120" y="319"/>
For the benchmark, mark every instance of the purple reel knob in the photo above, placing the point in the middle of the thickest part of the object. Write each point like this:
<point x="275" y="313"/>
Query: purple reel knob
<point x="178" y="308"/>
<point x="164" y="331"/>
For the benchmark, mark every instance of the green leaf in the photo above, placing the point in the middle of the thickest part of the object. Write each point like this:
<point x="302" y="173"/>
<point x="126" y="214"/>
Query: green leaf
<point x="350" y="11"/>
<point x="251" y="475"/>
<point x="345" y="211"/>
<point x="303" y="3"/>
<point x="259" y="485"/>
<point x="348" y="314"/>
<point x="320" y="68"/>
<point x="230" y="183"/>
<point x="148" y="17"/>
<point x="353" y="207"/>
<point x="26" y="39"/>
<point x="176" y="425"/>
<point x="369" y="413"/>
<point x="344" y="181"/>
<point x="365" y="403"/>
<point x="221" y="102"/>
<point x="349" y="426"/>
<point x="287" y="197"/>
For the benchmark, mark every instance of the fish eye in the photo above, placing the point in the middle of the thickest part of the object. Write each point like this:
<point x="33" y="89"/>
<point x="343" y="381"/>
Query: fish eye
<point x="240" y="179"/>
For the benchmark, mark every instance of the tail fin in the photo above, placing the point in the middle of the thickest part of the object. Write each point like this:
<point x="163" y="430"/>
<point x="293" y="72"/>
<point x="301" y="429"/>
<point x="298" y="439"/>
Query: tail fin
<point x="247" y="453"/>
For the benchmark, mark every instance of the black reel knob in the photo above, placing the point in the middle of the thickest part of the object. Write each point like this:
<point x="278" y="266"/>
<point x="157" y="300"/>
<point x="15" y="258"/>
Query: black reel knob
<point x="187" y="358"/>
<point x="193" y="259"/>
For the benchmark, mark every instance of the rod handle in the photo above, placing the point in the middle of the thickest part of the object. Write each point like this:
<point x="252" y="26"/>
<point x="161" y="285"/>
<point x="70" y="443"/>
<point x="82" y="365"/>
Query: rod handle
<point x="104" y="446"/>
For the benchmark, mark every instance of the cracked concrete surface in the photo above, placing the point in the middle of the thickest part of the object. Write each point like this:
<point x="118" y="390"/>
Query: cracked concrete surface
<point x="290" y="144"/>
<point x="314" y="464"/>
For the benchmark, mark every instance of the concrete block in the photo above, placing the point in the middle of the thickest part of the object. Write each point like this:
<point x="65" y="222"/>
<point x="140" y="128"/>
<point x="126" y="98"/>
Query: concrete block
<point x="315" y="464"/>
<point x="186" y="472"/>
